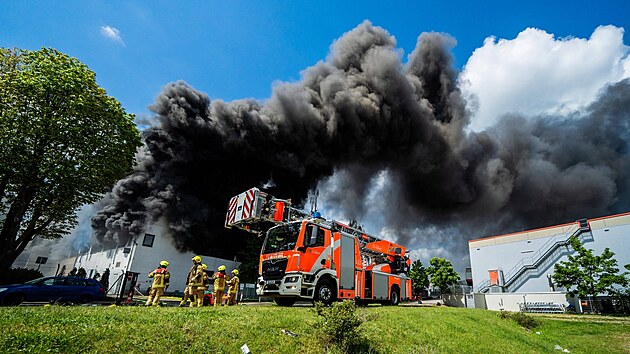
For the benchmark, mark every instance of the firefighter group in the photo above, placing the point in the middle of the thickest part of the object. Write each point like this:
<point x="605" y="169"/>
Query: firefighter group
<point x="197" y="283"/>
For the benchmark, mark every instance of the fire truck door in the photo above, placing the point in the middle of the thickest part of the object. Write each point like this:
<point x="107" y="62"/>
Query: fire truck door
<point x="381" y="288"/>
<point x="346" y="277"/>
<point x="403" y="289"/>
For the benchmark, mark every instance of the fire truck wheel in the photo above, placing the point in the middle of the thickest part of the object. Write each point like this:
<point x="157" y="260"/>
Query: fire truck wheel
<point x="325" y="292"/>
<point x="394" y="297"/>
<point x="283" y="301"/>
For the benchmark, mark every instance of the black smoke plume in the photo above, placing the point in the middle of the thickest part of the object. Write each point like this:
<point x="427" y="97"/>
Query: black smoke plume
<point x="360" y="116"/>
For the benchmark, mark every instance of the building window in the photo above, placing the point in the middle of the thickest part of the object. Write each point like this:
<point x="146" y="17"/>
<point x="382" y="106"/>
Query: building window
<point x="148" y="240"/>
<point x="41" y="260"/>
<point x="117" y="264"/>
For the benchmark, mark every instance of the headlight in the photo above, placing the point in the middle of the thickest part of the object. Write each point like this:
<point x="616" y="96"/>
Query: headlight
<point x="291" y="279"/>
<point x="3" y="289"/>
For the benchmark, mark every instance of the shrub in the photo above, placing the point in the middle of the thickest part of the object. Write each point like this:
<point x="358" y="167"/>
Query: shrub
<point x="522" y="319"/>
<point x="339" y="326"/>
<point x="621" y="301"/>
<point x="505" y="315"/>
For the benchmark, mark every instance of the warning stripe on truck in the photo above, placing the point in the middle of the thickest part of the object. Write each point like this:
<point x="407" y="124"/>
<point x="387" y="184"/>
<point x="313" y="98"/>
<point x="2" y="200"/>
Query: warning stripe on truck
<point x="229" y="218"/>
<point x="247" y="206"/>
<point x="240" y="207"/>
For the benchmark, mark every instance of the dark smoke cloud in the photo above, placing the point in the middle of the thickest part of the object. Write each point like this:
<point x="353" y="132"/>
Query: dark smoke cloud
<point x="360" y="117"/>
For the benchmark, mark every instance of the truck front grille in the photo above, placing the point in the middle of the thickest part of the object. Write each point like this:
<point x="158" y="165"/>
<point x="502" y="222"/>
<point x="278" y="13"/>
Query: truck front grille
<point x="274" y="268"/>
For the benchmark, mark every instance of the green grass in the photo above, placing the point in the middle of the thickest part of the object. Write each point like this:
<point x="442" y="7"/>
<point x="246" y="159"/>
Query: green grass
<point x="225" y="330"/>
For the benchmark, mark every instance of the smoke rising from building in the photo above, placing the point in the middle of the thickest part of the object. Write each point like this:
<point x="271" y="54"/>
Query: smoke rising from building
<point x="382" y="139"/>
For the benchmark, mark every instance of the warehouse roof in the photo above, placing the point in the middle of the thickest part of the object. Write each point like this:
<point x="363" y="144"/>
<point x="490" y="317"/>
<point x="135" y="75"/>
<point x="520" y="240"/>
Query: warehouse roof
<point x="595" y="223"/>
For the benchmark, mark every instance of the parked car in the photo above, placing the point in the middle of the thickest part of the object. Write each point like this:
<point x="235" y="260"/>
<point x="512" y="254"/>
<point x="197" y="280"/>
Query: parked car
<point x="53" y="289"/>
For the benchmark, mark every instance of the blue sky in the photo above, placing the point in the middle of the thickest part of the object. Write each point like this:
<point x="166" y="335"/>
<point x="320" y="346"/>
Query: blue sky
<point x="238" y="49"/>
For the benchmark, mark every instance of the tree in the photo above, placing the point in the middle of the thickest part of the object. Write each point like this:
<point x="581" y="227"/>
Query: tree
<point x="587" y="273"/>
<point x="64" y="143"/>
<point x="419" y="277"/>
<point x="248" y="255"/>
<point x="442" y="273"/>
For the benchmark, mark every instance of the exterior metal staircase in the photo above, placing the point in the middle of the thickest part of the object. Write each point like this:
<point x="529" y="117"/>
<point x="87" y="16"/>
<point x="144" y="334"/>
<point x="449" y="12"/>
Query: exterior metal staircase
<point x="547" y="253"/>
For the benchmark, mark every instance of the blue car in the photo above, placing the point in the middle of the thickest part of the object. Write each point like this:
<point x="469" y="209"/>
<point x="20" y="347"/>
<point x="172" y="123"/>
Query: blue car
<point x="53" y="289"/>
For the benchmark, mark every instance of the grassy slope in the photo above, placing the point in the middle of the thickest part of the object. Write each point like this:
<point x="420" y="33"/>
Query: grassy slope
<point x="206" y="330"/>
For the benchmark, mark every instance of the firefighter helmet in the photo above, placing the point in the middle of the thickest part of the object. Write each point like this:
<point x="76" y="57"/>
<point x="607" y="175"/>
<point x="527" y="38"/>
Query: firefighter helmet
<point x="164" y="263"/>
<point x="196" y="259"/>
<point x="235" y="271"/>
<point x="221" y="267"/>
<point x="204" y="266"/>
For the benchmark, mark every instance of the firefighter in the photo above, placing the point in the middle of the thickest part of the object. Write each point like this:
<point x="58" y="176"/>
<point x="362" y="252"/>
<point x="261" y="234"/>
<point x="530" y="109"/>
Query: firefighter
<point x="219" y="285"/>
<point x="233" y="289"/>
<point x="205" y="283"/>
<point x="161" y="278"/>
<point x="194" y="280"/>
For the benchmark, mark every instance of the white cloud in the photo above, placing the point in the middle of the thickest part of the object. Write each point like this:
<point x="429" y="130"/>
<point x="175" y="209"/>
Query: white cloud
<point x="112" y="33"/>
<point x="536" y="73"/>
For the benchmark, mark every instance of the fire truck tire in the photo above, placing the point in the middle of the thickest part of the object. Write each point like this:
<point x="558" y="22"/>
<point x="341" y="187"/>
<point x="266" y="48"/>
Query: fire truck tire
<point x="325" y="292"/>
<point x="394" y="297"/>
<point x="283" y="301"/>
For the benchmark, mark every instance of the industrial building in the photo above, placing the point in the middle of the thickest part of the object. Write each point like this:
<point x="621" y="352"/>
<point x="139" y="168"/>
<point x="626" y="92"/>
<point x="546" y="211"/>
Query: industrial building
<point x="523" y="262"/>
<point x="141" y="255"/>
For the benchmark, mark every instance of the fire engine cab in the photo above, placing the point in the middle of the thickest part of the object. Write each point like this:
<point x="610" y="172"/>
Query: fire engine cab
<point x="305" y="257"/>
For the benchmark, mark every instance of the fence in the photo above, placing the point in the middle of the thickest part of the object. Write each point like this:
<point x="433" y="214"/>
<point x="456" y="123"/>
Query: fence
<point x="542" y="307"/>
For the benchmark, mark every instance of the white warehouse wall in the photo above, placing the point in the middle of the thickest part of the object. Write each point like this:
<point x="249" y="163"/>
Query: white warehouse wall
<point x="505" y="251"/>
<point x="143" y="259"/>
<point x="146" y="259"/>
<point x="511" y="301"/>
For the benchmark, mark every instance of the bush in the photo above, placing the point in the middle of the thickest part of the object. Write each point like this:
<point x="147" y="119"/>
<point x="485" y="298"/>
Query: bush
<point x="523" y="320"/>
<point x="339" y="326"/>
<point x="20" y="275"/>
<point x="621" y="301"/>
<point x="504" y="315"/>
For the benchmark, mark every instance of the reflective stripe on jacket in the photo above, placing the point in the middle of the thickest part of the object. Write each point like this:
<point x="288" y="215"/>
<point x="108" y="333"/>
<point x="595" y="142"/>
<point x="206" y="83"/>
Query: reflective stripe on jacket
<point x="219" y="281"/>
<point x="160" y="277"/>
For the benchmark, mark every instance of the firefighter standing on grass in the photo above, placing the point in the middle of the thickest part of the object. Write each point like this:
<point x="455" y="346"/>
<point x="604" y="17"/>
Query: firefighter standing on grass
<point x="193" y="281"/>
<point x="233" y="289"/>
<point x="219" y="285"/>
<point x="161" y="278"/>
<point x="203" y="287"/>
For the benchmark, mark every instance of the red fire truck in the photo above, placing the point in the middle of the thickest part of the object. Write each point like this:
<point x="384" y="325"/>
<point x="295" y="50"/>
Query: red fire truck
<point x="306" y="257"/>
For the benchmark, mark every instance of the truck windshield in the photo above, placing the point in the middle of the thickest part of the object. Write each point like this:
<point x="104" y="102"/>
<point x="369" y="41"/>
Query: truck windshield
<point x="282" y="238"/>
